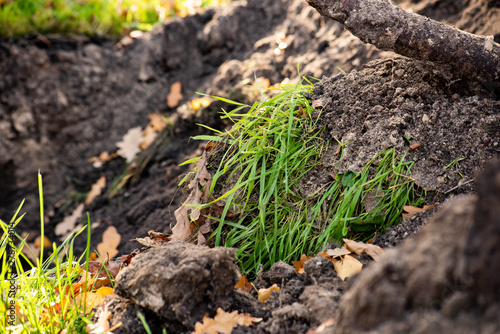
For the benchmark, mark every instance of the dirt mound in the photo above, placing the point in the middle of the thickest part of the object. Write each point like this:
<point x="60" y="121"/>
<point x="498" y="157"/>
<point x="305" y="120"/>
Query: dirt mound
<point x="442" y="281"/>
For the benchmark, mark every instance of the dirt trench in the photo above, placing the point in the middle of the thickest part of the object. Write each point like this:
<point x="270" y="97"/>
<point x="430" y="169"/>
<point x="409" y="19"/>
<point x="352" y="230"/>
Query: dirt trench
<point x="64" y="99"/>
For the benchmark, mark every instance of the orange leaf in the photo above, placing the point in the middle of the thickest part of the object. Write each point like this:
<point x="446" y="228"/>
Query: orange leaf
<point x="200" y="102"/>
<point x="360" y="247"/>
<point x="299" y="265"/>
<point x="89" y="300"/>
<point x="243" y="284"/>
<point x="157" y="122"/>
<point x="413" y="209"/>
<point x="96" y="190"/>
<point x="224" y="322"/>
<point x="175" y="95"/>
<point x="105" y="290"/>
<point x="264" y="294"/>
<point x="110" y="241"/>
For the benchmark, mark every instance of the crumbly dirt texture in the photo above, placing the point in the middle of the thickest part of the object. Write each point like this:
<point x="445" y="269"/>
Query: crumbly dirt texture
<point x="64" y="99"/>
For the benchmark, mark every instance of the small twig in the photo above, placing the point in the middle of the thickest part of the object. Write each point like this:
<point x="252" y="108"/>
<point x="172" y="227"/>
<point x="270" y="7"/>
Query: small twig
<point x="459" y="185"/>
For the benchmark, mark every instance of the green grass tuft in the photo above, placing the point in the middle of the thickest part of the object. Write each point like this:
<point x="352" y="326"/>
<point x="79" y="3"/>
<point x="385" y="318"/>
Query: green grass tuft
<point x="39" y="309"/>
<point x="271" y="146"/>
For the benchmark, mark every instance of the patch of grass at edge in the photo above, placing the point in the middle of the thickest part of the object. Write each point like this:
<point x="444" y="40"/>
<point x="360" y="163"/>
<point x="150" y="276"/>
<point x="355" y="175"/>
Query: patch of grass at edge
<point x="39" y="309"/>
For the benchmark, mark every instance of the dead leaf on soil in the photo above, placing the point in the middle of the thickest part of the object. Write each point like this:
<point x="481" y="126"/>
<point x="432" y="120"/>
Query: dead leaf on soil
<point x="175" y="95"/>
<point x="155" y="239"/>
<point x="413" y="209"/>
<point x="38" y="242"/>
<point x="103" y="157"/>
<point x="149" y="135"/>
<point x="157" y="121"/>
<point x="321" y="328"/>
<point x="299" y="265"/>
<point x="185" y="214"/>
<point x="337" y="252"/>
<point x="347" y="266"/>
<point x="264" y="294"/>
<point x="110" y="241"/>
<point x="224" y="322"/>
<point x="360" y="247"/>
<point x="102" y="324"/>
<point x="244" y="284"/>
<point x="96" y="190"/>
<point x="130" y="144"/>
<point x="200" y="102"/>
<point x="68" y="224"/>
<point x="89" y="300"/>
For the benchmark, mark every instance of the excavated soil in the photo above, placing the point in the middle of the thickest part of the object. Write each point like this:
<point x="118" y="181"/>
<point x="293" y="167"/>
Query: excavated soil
<point x="65" y="99"/>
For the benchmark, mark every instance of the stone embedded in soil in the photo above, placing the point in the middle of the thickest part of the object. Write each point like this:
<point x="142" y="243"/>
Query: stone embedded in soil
<point x="445" y="280"/>
<point x="180" y="282"/>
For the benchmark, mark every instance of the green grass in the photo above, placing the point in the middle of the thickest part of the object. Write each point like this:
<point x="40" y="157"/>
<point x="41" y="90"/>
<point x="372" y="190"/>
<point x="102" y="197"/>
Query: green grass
<point x="257" y="174"/>
<point x="89" y="17"/>
<point x="41" y="309"/>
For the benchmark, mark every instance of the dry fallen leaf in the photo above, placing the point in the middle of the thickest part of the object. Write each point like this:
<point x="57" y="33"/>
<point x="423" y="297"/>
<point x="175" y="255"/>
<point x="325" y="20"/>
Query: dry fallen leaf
<point x="105" y="290"/>
<point x="130" y="144"/>
<point x="360" y="247"/>
<point x="347" y="266"/>
<point x="149" y="134"/>
<point x="244" y="284"/>
<point x="321" y="328"/>
<point x="110" y="241"/>
<point x="38" y="242"/>
<point x="223" y="322"/>
<point x="199" y="102"/>
<point x="89" y="300"/>
<point x="175" y="95"/>
<point x="96" y="190"/>
<point x="157" y="121"/>
<point x="413" y="209"/>
<point x="264" y="294"/>
<point x="155" y="239"/>
<point x="68" y="224"/>
<point x="102" y="324"/>
<point x="185" y="214"/>
<point x="337" y="252"/>
<point x="103" y="157"/>
<point x="299" y="265"/>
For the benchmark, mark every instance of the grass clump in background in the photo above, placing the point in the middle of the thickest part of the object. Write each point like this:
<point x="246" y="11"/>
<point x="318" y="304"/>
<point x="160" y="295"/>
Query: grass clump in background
<point x="91" y="17"/>
<point x="45" y="297"/>
<point x="257" y="175"/>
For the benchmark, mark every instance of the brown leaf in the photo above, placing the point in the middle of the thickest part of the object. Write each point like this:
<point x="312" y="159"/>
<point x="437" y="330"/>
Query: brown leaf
<point x="68" y="224"/>
<point x="96" y="190"/>
<point x="223" y="322"/>
<point x="337" y="252"/>
<point x="347" y="266"/>
<point x="103" y="157"/>
<point x="299" y="265"/>
<point x="321" y="328"/>
<point x="413" y="209"/>
<point x="130" y="144"/>
<point x="149" y="135"/>
<point x="244" y="284"/>
<point x="102" y="324"/>
<point x="157" y="122"/>
<point x="175" y="95"/>
<point x="414" y="146"/>
<point x="155" y="239"/>
<point x="360" y="247"/>
<point x="185" y="214"/>
<point x="110" y="241"/>
<point x="38" y="242"/>
<point x="264" y="294"/>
